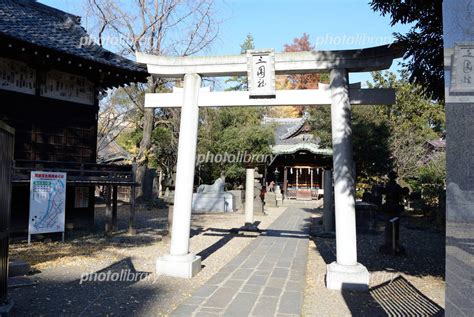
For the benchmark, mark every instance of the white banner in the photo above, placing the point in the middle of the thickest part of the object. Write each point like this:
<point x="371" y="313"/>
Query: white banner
<point x="47" y="202"/>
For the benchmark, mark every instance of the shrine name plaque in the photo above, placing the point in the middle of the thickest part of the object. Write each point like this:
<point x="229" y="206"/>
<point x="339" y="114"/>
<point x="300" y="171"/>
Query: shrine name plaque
<point x="261" y="73"/>
<point x="462" y="74"/>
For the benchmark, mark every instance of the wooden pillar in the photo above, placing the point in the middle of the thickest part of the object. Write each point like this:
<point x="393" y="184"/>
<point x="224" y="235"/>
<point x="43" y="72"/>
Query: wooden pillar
<point x="7" y="142"/>
<point x="321" y="178"/>
<point x="131" y="220"/>
<point x="160" y="182"/>
<point x="296" y="171"/>
<point x="285" y="181"/>
<point x="114" y="208"/>
<point x="265" y="175"/>
<point x="108" y="210"/>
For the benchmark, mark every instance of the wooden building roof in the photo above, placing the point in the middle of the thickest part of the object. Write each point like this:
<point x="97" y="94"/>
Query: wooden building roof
<point x="35" y="32"/>
<point x="293" y="135"/>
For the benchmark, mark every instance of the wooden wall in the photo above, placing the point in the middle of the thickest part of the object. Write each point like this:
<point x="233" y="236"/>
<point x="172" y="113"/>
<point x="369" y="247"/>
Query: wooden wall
<point x="51" y="130"/>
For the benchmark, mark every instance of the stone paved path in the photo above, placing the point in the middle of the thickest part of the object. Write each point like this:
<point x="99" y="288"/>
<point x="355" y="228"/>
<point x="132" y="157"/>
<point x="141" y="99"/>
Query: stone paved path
<point x="266" y="279"/>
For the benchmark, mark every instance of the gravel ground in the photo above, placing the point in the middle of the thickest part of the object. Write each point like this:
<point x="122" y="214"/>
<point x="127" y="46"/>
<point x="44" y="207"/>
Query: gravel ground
<point x="61" y="266"/>
<point x="422" y="267"/>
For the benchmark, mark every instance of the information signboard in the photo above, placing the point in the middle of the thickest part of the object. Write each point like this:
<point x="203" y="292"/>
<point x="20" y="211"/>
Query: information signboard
<point x="47" y="202"/>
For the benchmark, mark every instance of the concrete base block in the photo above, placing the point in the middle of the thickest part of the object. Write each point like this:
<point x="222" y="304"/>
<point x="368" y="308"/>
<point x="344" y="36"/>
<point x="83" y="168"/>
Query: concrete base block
<point x="213" y="202"/>
<point x="347" y="277"/>
<point x="6" y="308"/>
<point x="184" y="266"/>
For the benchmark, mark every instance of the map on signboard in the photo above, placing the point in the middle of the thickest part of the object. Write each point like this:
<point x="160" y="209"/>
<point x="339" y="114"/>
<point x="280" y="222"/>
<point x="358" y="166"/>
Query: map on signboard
<point x="47" y="202"/>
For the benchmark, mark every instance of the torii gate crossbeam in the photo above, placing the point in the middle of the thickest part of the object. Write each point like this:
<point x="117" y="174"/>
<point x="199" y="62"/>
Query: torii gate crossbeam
<point x="346" y="272"/>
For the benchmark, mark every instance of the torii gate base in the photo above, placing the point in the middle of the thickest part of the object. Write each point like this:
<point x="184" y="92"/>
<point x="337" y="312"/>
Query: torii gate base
<point x="350" y="277"/>
<point x="185" y="266"/>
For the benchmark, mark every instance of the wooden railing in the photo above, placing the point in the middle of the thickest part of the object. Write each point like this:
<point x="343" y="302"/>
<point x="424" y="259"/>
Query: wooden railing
<point x="80" y="173"/>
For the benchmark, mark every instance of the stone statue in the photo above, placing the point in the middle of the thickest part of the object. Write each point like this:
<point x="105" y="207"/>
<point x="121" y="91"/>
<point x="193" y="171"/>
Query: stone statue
<point x="217" y="187"/>
<point x="393" y="208"/>
<point x="394" y="195"/>
<point x="213" y="198"/>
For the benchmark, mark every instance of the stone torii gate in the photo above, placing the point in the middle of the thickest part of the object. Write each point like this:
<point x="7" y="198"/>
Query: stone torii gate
<point x="261" y="67"/>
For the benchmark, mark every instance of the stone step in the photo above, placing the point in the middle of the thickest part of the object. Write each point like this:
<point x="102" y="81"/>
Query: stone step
<point x="18" y="268"/>
<point x="21" y="281"/>
<point x="304" y="203"/>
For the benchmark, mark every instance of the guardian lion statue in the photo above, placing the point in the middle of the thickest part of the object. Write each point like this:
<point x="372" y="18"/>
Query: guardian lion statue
<point x="217" y="187"/>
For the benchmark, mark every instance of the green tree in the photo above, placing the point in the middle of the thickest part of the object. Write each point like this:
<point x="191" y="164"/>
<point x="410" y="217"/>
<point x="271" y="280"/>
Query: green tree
<point x="232" y="130"/>
<point x="424" y="41"/>
<point x="241" y="82"/>
<point x="320" y="117"/>
<point x="412" y="120"/>
<point x="386" y="137"/>
<point x="371" y="143"/>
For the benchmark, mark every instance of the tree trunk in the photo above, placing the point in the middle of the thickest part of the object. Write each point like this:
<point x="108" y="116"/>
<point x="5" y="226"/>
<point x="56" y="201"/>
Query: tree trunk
<point x="145" y="145"/>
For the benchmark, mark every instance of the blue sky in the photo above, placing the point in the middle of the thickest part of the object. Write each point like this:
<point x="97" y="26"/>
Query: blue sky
<point x="331" y="24"/>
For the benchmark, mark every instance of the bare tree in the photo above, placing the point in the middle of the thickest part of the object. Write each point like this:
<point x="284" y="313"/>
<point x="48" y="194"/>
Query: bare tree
<point x="162" y="27"/>
<point x="116" y="115"/>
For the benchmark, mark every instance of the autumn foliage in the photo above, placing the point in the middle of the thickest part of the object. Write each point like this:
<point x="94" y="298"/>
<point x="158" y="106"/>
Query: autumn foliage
<point x="296" y="81"/>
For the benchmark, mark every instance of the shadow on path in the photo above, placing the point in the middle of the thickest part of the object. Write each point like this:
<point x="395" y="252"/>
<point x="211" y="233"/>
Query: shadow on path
<point x="397" y="297"/>
<point x="113" y="290"/>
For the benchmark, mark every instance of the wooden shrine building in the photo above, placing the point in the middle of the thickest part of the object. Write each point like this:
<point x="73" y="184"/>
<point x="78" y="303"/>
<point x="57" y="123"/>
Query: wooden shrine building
<point x="299" y="161"/>
<point x="51" y="79"/>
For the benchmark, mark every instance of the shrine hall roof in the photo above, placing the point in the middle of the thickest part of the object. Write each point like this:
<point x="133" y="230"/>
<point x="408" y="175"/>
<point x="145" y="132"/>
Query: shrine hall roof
<point x="304" y="146"/>
<point x="292" y="135"/>
<point x="291" y="130"/>
<point x="47" y="27"/>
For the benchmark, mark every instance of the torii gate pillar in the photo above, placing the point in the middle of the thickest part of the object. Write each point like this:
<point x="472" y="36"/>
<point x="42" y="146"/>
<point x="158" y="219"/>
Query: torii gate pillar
<point x="180" y="262"/>
<point x="345" y="273"/>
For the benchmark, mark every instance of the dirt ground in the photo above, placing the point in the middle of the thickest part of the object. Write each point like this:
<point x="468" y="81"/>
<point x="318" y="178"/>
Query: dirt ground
<point x="60" y="266"/>
<point x="400" y="285"/>
<point x="412" y="284"/>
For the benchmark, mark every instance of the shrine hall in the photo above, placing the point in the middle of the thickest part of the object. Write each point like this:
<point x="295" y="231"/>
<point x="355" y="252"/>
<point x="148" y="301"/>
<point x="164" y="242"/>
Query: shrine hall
<point x="299" y="159"/>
